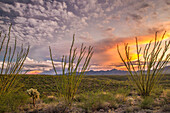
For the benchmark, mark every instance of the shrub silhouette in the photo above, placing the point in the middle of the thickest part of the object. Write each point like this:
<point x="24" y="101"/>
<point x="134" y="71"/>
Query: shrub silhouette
<point x="150" y="67"/>
<point x="72" y="76"/>
<point x="12" y="64"/>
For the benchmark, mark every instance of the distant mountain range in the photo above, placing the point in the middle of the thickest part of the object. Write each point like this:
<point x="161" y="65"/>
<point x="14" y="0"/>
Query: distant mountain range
<point x="108" y="72"/>
<point x="119" y="72"/>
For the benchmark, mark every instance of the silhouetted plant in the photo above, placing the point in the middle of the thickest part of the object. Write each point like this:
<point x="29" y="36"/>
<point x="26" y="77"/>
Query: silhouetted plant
<point x="150" y="67"/>
<point x="72" y="76"/>
<point x="12" y="64"/>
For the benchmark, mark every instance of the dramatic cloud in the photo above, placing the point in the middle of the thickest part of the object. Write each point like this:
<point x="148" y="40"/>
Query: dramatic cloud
<point x="33" y="66"/>
<point x="107" y="53"/>
<point x="100" y="23"/>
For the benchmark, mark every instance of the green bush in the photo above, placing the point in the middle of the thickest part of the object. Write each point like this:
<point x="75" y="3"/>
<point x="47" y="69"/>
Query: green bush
<point x="157" y="91"/>
<point x="121" y="94"/>
<point x="122" y="90"/>
<point x="93" y="101"/>
<point x="147" y="103"/>
<point x="12" y="101"/>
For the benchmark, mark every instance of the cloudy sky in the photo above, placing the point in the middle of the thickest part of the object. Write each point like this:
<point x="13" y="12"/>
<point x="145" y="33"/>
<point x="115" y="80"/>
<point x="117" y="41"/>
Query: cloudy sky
<point x="100" y="23"/>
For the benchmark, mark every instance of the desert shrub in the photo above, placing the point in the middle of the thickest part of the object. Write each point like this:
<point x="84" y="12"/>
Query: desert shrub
<point x="113" y="104"/>
<point x="122" y="90"/>
<point x="12" y="101"/>
<point x="93" y="101"/>
<point x="157" y="91"/>
<point x="150" y="65"/>
<point x="12" y="64"/>
<point x="166" y="96"/>
<point x="72" y="76"/>
<point x="120" y="98"/>
<point x="81" y="97"/>
<point x="121" y="94"/>
<point x="147" y="103"/>
<point x="130" y="101"/>
<point x="34" y="94"/>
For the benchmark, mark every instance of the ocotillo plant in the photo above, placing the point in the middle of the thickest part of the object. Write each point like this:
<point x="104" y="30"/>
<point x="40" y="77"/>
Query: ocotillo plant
<point x="34" y="94"/>
<point x="12" y="63"/>
<point x="72" y="76"/>
<point x="149" y="67"/>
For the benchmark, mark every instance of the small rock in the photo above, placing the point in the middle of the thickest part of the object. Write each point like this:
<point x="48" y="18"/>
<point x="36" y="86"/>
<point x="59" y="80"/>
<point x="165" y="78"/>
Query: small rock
<point x="101" y="110"/>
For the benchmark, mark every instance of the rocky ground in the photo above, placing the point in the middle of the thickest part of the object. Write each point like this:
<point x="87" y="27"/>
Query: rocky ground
<point x="132" y="103"/>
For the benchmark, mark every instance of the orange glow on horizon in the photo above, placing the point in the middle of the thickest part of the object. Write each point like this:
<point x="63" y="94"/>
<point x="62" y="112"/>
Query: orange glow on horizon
<point x="34" y="72"/>
<point x="113" y="56"/>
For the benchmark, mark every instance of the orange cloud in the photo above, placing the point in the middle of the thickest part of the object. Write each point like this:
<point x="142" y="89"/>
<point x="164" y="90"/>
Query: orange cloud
<point x="110" y="43"/>
<point x="34" y="72"/>
<point x="106" y="50"/>
<point x="148" y="38"/>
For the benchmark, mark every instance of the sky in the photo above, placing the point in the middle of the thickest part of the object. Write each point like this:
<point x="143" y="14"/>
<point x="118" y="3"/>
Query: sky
<point x="103" y="24"/>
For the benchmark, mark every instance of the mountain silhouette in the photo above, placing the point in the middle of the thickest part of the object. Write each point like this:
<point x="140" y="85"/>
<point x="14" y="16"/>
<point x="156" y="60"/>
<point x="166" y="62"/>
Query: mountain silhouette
<point x="108" y="72"/>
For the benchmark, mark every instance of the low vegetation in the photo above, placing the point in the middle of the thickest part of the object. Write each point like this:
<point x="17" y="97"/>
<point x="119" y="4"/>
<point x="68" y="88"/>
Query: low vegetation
<point x="74" y="92"/>
<point x="98" y="95"/>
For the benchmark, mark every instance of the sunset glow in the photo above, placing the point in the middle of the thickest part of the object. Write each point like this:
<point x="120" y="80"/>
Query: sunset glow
<point x="103" y="24"/>
<point x="34" y="72"/>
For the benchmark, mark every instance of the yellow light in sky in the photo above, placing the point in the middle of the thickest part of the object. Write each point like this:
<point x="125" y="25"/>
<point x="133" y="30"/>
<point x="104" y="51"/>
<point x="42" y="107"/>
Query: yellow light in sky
<point x="135" y="56"/>
<point x="147" y="39"/>
<point x="34" y="72"/>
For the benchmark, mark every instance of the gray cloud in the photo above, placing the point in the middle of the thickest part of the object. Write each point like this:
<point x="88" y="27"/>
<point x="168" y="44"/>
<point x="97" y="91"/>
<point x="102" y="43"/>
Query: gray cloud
<point x="136" y="17"/>
<point x="40" y="20"/>
<point x="31" y="65"/>
<point x="159" y="27"/>
<point x="167" y="2"/>
<point x="144" y="5"/>
<point x="43" y="23"/>
<point x="109" y="43"/>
